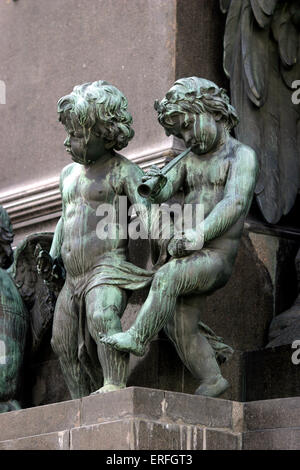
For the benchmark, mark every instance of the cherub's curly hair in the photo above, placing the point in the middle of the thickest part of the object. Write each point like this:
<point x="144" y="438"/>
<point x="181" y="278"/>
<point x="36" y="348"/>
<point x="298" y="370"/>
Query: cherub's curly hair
<point x="102" y="108"/>
<point x="195" y="95"/>
<point x="6" y="231"/>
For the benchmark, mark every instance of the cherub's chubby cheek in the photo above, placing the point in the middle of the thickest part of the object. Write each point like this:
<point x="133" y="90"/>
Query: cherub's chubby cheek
<point x="205" y="134"/>
<point x="78" y="149"/>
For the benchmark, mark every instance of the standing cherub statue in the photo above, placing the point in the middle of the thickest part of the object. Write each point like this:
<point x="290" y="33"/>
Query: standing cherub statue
<point x="93" y="297"/>
<point x="220" y="174"/>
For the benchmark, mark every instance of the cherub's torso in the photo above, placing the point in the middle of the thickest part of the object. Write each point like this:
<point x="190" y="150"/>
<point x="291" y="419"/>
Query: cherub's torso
<point x="204" y="183"/>
<point x="205" y="180"/>
<point x="83" y="191"/>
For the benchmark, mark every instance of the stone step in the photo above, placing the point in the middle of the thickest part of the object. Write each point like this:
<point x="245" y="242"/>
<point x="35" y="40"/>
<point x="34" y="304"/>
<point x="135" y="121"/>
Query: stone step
<point x="139" y="418"/>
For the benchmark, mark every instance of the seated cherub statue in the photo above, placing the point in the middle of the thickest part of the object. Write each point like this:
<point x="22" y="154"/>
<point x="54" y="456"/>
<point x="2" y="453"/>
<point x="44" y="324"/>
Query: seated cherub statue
<point x="98" y="274"/>
<point x="219" y="173"/>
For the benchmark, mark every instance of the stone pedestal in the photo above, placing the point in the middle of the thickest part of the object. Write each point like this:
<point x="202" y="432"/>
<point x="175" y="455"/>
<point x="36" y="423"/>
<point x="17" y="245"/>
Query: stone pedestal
<point x="146" y="419"/>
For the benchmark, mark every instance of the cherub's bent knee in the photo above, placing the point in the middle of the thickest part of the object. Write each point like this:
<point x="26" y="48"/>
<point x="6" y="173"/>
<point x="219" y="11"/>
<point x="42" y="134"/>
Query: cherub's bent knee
<point x="103" y="321"/>
<point x="104" y="314"/>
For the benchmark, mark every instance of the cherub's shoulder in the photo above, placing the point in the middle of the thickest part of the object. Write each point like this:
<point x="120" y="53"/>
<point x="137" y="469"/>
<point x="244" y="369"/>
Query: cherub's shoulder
<point x="67" y="170"/>
<point x="127" y="166"/>
<point x="244" y="155"/>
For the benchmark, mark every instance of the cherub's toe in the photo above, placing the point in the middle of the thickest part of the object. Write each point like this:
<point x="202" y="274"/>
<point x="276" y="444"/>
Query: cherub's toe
<point x="109" y="340"/>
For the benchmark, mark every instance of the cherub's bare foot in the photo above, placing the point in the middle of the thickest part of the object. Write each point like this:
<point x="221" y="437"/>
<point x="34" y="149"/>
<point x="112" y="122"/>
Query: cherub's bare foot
<point x="108" y="388"/>
<point x="213" y="388"/>
<point x="125" y="342"/>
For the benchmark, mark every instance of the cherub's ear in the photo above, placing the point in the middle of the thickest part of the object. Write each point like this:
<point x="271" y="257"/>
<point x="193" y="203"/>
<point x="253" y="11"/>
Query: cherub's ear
<point x="190" y="95"/>
<point x="218" y="116"/>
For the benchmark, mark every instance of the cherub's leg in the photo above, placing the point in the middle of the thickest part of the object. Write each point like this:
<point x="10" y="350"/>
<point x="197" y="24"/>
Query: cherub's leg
<point x="156" y="310"/>
<point x="200" y="271"/>
<point x="193" y="348"/>
<point x="105" y="305"/>
<point x="65" y="344"/>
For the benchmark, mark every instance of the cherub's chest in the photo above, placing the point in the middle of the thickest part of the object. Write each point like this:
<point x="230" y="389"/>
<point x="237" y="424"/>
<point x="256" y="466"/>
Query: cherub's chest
<point x="80" y="186"/>
<point x="208" y="173"/>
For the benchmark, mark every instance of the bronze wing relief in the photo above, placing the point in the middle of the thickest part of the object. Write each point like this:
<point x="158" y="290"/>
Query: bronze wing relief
<point x="262" y="60"/>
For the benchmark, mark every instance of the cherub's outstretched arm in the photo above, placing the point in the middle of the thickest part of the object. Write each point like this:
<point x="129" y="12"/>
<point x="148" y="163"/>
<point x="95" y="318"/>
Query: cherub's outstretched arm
<point x="59" y="230"/>
<point x="57" y="240"/>
<point x="49" y="265"/>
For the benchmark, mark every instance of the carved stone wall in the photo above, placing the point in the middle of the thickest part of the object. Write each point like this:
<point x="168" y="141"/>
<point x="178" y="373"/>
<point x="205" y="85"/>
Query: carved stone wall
<point x="140" y="46"/>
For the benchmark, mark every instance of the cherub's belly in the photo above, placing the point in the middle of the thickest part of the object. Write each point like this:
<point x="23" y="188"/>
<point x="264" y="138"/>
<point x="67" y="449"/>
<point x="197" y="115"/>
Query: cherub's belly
<point x="83" y="246"/>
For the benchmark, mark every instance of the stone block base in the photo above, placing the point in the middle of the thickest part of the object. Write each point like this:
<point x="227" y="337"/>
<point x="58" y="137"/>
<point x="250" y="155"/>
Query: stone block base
<point x="146" y="419"/>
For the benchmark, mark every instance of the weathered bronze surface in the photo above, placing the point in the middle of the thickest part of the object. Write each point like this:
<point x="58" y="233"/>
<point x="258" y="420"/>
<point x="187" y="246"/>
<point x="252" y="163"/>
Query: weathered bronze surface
<point x="262" y="60"/>
<point x="219" y="174"/>
<point x="94" y="296"/>
<point x="26" y="310"/>
<point x="13" y="323"/>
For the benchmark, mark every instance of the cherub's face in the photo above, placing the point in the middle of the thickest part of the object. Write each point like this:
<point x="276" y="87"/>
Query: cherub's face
<point x="198" y="131"/>
<point x="83" y="145"/>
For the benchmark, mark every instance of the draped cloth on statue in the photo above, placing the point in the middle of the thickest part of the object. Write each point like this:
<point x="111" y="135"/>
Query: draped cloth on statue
<point x="113" y="269"/>
<point x="110" y="269"/>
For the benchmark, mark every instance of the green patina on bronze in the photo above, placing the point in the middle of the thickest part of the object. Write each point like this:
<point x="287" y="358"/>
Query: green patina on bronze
<point x="26" y="310"/>
<point x="98" y="274"/>
<point x="262" y="61"/>
<point x="219" y="173"/>
<point x="13" y="323"/>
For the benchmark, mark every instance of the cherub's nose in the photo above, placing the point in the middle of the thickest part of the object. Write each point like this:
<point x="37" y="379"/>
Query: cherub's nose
<point x="67" y="142"/>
